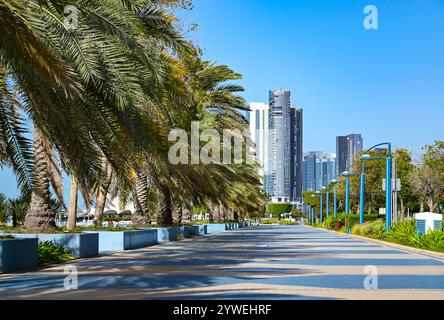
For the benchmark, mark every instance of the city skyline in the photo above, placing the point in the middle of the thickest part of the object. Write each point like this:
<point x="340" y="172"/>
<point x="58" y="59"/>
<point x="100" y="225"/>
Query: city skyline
<point x="361" y="83"/>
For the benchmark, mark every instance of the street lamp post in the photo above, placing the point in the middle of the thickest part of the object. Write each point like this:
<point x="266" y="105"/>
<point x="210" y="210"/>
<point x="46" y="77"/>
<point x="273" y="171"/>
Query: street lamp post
<point x="316" y="195"/>
<point x="322" y="203"/>
<point x="327" y="209"/>
<point x="335" y="197"/>
<point x="362" y="195"/>
<point x="347" y="176"/>
<point x="388" y="189"/>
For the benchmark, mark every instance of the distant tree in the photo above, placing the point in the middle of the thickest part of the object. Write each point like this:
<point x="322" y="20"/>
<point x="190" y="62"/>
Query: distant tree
<point x="427" y="184"/>
<point x="277" y="209"/>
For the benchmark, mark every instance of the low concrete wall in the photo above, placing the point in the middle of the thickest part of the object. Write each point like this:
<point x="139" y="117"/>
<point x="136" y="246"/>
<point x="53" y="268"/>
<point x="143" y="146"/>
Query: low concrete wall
<point x="199" y="230"/>
<point x="80" y="245"/>
<point x="215" y="228"/>
<point x="18" y="255"/>
<point x="110" y="241"/>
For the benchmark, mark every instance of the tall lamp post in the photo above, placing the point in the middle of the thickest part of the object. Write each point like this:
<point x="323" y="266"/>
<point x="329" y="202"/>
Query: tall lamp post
<point x="321" y="193"/>
<point x="388" y="189"/>
<point x="317" y="195"/>
<point x="347" y="175"/>
<point x="334" y="182"/>
<point x="326" y="190"/>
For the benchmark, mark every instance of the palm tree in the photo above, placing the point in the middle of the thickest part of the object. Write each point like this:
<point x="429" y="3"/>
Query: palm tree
<point x="99" y="76"/>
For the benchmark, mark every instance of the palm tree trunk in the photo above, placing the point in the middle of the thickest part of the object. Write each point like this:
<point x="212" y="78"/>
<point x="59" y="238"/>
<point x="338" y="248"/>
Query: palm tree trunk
<point x="141" y="214"/>
<point x="39" y="216"/>
<point x="72" y="210"/>
<point x="211" y="215"/>
<point x="177" y="213"/>
<point x="164" y="214"/>
<point x="102" y="193"/>
<point x="187" y="214"/>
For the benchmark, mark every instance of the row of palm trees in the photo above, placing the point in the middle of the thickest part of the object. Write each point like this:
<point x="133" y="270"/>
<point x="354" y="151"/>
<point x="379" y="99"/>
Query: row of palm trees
<point x="101" y="99"/>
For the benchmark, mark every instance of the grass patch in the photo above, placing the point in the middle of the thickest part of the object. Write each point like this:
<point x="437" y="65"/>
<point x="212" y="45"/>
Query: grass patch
<point x="99" y="229"/>
<point x="277" y="221"/>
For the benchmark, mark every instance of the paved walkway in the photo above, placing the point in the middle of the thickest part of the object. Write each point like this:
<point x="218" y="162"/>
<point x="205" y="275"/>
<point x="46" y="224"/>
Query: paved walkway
<point x="275" y="262"/>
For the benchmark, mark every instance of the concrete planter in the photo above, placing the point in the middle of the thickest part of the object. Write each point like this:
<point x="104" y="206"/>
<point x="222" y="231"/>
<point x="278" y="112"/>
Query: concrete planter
<point x="171" y="234"/>
<point x="232" y="226"/>
<point x="110" y="241"/>
<point x="199" y="230"/>
<point x="215" y="228"/>
<point x="18" y="255"/>
<point x="80" y="245"/>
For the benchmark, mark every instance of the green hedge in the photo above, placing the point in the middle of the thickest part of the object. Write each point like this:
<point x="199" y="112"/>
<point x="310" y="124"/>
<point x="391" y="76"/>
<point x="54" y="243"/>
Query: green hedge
<point x="276" y="209"/>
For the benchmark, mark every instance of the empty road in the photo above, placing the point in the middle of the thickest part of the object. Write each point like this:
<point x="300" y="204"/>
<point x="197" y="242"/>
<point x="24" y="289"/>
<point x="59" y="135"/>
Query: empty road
<point x="275" y="262"/>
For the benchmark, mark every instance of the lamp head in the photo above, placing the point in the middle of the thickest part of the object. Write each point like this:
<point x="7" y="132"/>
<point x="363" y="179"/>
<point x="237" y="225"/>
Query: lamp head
<point x="334" y="181"/>
<point x="345" y="174"/>
<point x="366" y="157"/>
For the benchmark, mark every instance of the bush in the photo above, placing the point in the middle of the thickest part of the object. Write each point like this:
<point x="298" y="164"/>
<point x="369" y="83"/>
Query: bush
<point x="352" y="218"/>
<point x="373" y="229"/>
<point x="7" y="237"/>
<point x="404" y="233"/>
<point x="277" y="209"/>
<point x="48" y="252"/>
<point x="297" y="214"/>
<point x="270" y="221"/>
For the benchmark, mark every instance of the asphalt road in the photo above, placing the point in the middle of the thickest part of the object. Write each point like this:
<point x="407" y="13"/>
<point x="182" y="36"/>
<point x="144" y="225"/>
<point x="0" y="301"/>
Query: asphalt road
<point x="276" y="262"/>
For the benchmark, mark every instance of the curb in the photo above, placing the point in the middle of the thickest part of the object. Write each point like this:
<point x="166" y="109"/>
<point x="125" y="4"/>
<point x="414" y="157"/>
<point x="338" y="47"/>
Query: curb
<point x="388" y="244"/>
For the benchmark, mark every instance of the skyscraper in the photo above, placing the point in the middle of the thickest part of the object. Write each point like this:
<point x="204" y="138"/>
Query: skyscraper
<point x="259" y="124"/>
<point x="319" y="169"/>
<point x="283" y="174"/>
<point x="347" y="148"/>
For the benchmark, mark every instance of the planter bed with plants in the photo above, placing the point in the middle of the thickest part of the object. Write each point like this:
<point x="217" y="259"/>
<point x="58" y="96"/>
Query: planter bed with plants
<point x="113" y="241"/>
<point x="80" y="245"/>
<point x="18" y="254"/>
<point x="403" y="233"/>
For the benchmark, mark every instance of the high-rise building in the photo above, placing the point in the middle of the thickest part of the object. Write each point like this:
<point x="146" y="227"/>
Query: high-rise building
<point x="259" y="132"/>
<point x="347" y="148"/>
<point x="319" y="169"/>
<point x="283" y="174"/>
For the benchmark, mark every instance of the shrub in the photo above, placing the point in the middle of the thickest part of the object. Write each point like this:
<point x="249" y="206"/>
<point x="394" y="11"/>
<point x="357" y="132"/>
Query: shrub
<point x="373" y="229"/>
<point x="404" y="233"/>
<point x="269" y="221"/>
<point x="297" y="214"/>
<point x="352" y="218"/>
<point x="276" y="209"/>
<point x="7" y="237"/>
<point x="48" y="252"/>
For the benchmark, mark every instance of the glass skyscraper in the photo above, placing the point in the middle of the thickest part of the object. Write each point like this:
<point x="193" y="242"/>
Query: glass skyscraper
<point x="319" y="169"/>
<point x="277" y="131"/>
<point x="284" y="170"/>
<point x="347" y="148"/>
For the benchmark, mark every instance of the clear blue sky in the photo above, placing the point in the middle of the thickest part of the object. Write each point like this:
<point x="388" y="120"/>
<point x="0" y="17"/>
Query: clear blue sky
<point x="387" y="84"/>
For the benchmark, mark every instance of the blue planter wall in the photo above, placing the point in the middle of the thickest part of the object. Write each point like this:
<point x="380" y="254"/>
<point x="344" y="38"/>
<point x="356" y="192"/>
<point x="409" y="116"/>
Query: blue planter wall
<point x="110" y="241"/>
<point x="80" y="245"/>
<point x="18" y="255"/>
<point x="215" y="228"/>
